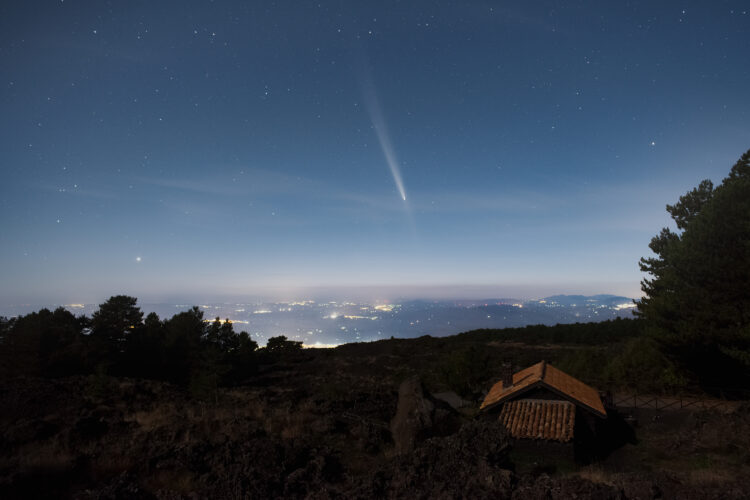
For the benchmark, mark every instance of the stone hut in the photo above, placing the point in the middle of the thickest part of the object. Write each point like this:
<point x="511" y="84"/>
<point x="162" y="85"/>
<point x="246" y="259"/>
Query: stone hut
<point x="546" y="411"/>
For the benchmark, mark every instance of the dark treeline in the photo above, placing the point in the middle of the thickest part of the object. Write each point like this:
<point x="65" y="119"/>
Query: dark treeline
<point x="614" y="354"/>
<point x="605" y="332"/>
<point x="117" y="340"/>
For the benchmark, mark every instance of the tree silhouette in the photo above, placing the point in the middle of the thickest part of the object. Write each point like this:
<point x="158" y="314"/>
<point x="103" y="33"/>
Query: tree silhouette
<point x="243" y="359"/>
<point x="697" y="303"/>
<point x="281" y="345"/>
<point x="184" y="349"/>
<point x="46" y="343"/>
<point x="146" y="349"/>
<point x="183" y="336"/>
<point x="116" y="317"/>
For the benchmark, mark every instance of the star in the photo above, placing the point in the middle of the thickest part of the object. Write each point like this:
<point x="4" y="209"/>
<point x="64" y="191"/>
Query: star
<point x="138" y="259"/>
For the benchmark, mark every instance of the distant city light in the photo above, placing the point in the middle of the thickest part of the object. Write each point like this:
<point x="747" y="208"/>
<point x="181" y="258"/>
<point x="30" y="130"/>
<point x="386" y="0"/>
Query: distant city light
<point x="230" y="321"/>
<point x="620" y="307"/>
<point x="319" y="345"/>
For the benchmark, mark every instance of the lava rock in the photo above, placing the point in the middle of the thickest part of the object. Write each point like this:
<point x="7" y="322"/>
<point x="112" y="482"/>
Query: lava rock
<point x="420" y="416"/>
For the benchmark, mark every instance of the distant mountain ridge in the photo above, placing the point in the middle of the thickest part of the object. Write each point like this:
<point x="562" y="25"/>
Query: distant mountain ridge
<point x="603" y="299"/>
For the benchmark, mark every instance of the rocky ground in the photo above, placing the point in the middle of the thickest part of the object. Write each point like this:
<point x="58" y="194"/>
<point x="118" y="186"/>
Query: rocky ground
<point x="339" y="424"/>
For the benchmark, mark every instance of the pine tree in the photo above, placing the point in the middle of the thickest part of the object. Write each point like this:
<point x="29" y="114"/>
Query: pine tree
<point x="697" y="301"/>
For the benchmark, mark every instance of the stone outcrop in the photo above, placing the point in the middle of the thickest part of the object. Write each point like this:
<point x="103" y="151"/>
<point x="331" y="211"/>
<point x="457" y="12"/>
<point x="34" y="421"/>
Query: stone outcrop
<point x="419" y="416"/>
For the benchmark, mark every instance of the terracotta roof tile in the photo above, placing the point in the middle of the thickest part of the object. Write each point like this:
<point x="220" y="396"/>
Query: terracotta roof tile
<point x="574" y="388"/>
<point x="546" y="375"/>
<point x="539" y="419"/>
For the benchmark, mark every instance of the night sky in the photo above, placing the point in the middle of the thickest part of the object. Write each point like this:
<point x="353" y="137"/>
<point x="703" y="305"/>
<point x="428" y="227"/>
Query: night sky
<point x="202" y="150"/>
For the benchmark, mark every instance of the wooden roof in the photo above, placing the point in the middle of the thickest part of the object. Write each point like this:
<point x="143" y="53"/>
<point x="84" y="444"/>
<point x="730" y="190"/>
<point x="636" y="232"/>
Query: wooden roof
<point x="539" y="419"/>
<point x="545" y="375"/>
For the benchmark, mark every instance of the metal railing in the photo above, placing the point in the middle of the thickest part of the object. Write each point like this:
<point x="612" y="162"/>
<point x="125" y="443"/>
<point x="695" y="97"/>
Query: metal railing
<point x="653" y="402"/>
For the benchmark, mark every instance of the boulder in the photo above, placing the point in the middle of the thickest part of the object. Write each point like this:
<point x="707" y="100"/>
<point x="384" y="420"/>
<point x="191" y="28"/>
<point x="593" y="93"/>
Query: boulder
<point x="420" y="416"/>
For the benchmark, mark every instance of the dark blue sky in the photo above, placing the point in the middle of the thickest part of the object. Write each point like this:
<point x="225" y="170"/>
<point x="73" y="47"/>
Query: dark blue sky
<point x="204" y="149"/>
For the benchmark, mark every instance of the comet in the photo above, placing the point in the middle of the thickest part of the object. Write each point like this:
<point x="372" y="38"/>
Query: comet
<point x="378" y="122"/>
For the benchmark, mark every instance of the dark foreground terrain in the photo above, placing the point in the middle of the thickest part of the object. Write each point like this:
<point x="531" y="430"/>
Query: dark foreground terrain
<point x="332" y="424"/>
